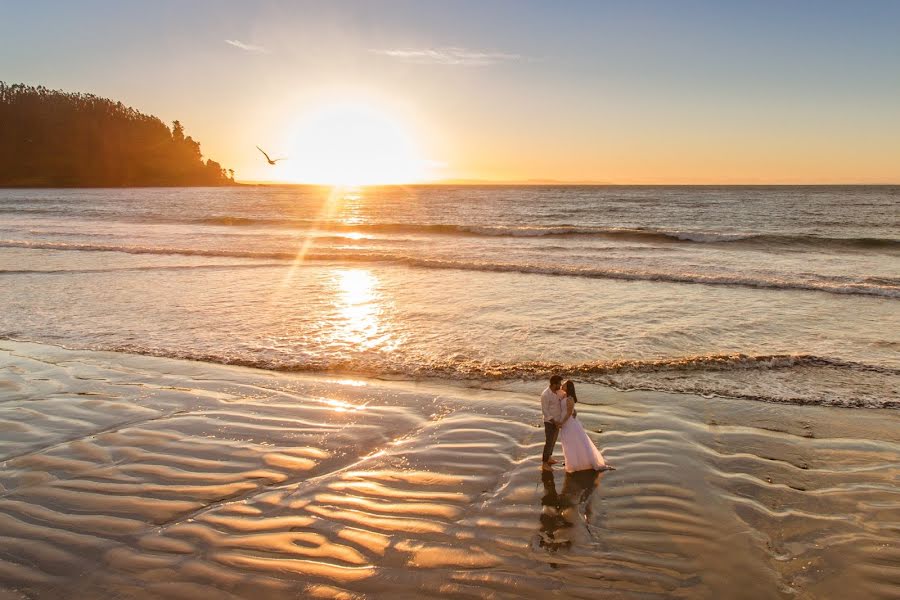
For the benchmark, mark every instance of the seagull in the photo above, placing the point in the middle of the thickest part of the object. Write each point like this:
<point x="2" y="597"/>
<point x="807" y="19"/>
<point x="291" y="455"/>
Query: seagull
<point x="269" y="160"/>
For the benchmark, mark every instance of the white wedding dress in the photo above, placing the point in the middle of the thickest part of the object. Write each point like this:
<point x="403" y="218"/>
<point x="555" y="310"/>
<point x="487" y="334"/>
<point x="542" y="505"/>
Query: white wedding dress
<point x="579" y="451"/>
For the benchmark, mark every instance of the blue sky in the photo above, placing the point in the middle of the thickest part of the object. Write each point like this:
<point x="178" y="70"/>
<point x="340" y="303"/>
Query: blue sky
<point x="626" y="92"/>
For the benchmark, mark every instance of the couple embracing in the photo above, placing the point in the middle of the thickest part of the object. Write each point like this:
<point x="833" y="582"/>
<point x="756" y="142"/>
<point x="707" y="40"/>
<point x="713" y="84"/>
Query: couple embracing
<point x="558" y="407"/>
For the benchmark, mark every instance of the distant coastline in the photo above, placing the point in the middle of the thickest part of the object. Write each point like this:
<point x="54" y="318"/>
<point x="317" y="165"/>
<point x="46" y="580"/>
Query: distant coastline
<point x="77" y="186"/>
<point x="51" y="138"/>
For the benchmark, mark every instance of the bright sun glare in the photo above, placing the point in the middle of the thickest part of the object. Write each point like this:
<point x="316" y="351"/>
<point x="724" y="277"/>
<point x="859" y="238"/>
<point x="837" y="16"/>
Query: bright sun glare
<point x="352" y="144"/>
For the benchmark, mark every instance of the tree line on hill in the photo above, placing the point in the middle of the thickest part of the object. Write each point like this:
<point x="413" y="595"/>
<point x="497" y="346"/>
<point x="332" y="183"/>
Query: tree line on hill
<point x="51" y="138"/>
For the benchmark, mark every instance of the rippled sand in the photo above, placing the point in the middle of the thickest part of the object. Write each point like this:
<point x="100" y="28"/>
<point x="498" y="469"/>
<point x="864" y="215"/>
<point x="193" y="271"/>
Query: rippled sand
<point x="135" y="477"/>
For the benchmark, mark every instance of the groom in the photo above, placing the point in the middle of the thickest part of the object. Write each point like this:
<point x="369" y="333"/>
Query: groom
<point x="552" y="417"/>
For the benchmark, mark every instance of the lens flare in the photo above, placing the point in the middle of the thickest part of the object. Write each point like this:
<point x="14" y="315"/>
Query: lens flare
<point x="353" y="144"/>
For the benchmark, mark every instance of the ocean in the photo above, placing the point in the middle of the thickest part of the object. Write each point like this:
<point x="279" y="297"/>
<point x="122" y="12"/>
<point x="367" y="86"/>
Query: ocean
<point x="781" y="294"/>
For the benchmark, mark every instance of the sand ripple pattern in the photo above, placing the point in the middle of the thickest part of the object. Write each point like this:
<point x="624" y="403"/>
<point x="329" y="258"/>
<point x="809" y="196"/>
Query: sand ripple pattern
<point x="135" y="477"/>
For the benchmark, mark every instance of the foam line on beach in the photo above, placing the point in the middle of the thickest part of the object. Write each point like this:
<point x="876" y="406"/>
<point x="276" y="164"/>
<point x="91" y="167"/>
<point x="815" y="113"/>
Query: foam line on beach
<point x="763" y="377"/>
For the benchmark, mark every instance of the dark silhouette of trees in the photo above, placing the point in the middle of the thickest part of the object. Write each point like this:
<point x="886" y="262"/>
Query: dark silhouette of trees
<point x="59" y="139"/>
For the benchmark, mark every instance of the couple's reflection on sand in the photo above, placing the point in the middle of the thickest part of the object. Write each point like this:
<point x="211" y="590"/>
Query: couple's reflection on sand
<point x="561" y="513"/>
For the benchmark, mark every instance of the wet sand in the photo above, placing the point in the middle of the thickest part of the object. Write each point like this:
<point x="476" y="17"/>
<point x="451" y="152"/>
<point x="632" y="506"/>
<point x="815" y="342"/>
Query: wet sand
<point x="128" y="476"/>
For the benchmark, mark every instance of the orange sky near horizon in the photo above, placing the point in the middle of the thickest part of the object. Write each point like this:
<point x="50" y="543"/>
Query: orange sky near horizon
<point x="604" y="147"/>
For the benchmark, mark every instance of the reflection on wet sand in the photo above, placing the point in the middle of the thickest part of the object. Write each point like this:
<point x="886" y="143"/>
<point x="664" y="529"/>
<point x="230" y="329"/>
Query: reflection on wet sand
<point x="134" y="477"/>
<point x="560" y="512"/>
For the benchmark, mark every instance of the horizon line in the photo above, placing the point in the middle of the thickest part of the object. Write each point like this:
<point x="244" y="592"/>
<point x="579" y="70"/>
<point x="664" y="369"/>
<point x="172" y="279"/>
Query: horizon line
<point x="539" y="182"/>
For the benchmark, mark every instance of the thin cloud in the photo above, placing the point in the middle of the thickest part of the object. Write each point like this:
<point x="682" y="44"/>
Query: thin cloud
<point x="448" y="56"/>
<point x="247" y="47"/>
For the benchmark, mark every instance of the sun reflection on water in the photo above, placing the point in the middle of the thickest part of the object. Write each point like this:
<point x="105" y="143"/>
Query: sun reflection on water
<point x="351" y="382"/>
<point x="341" y="406"/>
<point x="330" y="207"/>
<point x="352" y="204"/>
<point x="358" y="307"/>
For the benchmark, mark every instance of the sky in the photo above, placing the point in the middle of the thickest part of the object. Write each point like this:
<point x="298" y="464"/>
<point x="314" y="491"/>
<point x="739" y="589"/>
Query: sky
<point x="643" y="92"/>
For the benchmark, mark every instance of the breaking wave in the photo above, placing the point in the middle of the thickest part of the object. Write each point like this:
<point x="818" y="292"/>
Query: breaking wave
<point x="867" y="286"/>
<point x="818" y="380"/>
<point x="639" y="234"/>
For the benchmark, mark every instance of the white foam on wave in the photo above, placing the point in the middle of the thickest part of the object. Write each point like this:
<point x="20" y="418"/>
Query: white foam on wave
<point x="830" y="284"/>
<point x="781" y="378"/>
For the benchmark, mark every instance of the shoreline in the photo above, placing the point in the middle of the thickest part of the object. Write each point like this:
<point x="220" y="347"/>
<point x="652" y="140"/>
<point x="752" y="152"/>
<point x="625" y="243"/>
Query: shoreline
<point x="146" y="477"/>
<point x="590" y="373"/>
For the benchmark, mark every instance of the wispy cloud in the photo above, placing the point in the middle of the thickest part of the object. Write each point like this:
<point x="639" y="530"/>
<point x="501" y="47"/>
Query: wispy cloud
<point x="448" y="56"/>
<point x="247" y="47"/>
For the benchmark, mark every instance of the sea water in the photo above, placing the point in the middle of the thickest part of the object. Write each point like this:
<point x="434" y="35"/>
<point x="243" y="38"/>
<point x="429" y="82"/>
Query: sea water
<point x="769" y="293"/>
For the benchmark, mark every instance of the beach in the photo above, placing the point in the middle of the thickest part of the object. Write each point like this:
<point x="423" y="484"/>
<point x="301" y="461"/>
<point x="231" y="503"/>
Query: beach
<point x="484" y="301"/>
<point x="130" y="476"/>
<point x="300" y="392"/>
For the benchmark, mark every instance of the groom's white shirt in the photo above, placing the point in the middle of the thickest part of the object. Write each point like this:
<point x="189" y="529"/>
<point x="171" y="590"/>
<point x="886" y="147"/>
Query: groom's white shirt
<point x="550" y="406"/>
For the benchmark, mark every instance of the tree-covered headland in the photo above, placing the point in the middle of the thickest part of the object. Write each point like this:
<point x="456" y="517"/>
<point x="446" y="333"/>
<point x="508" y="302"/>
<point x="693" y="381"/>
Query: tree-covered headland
<point x="51" y="138"/>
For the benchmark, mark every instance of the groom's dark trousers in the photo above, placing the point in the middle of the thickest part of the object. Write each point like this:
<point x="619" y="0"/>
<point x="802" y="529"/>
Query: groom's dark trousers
<point x="551" y="432"/>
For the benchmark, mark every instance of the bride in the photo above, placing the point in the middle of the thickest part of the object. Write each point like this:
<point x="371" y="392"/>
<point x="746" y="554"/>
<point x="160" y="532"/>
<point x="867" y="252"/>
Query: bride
<point x="580" y="452"/>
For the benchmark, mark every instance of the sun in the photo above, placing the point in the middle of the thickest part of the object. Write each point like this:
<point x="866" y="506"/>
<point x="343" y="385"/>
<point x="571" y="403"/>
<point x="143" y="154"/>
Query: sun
<point x="352" y="144"/>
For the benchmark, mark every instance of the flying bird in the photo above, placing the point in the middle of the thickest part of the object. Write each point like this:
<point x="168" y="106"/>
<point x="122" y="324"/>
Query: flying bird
<point x="269" y="160"/>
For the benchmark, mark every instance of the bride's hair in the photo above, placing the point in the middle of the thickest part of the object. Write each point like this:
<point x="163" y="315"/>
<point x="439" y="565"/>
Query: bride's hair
<point x="570" y="390"/>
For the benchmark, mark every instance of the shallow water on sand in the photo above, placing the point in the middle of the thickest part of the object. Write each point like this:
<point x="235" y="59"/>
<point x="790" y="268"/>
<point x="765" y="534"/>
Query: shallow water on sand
<point x="137" y="477"/>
